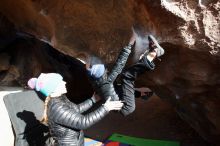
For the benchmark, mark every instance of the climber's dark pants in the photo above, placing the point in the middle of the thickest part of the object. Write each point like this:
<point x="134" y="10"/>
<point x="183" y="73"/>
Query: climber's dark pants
<point x="127" y="86"/>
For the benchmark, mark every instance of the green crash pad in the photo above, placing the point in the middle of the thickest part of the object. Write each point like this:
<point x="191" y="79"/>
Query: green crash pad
<point x="141" y="141"/>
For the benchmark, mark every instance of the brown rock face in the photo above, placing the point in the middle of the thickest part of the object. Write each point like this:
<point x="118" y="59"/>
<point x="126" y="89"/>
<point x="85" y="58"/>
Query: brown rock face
<point x="188" y="75"/>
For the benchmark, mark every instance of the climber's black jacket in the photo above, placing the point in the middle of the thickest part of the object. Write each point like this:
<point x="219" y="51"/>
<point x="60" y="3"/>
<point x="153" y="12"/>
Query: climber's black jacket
<point x="104" y="85"/>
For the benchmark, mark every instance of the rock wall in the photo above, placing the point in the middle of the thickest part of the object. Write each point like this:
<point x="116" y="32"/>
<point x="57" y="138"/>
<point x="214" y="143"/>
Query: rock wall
<point x="188" y="76"/>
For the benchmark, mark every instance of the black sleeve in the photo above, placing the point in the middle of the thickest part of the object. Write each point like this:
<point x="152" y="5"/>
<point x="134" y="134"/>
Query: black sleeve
<point x="87" y="104"/>
<point x="62" y="114"/>
<point x="120" y="63"/>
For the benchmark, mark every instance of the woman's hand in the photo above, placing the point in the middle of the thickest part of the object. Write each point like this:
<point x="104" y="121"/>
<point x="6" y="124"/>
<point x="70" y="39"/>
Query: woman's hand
<point x="113" y="105"/>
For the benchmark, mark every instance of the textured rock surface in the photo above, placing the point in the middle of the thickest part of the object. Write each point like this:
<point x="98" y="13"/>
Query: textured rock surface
<point x="30" y="57"/>
<point x="188" y="76"/>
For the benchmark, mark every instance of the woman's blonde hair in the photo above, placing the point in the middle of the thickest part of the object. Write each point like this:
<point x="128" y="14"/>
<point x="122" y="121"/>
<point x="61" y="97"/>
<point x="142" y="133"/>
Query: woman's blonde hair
<point x="45" y="118"/>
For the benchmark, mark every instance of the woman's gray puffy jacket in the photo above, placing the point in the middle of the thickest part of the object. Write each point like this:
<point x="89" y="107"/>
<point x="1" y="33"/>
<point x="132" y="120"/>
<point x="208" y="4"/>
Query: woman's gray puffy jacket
<point x="66" y="120"/>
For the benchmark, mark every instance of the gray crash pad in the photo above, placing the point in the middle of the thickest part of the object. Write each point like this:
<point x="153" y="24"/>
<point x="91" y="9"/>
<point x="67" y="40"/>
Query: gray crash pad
<point x="25" y="110"/>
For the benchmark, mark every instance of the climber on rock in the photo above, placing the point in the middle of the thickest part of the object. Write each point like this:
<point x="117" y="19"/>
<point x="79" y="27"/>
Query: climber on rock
<point x="103" y="83"/>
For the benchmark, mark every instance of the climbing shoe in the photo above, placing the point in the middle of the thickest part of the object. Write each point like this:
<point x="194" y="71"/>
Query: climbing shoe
<point x="154" y="45"/>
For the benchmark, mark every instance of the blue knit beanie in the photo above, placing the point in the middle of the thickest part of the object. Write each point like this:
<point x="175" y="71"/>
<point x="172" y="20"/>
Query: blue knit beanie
<point x="45" y="83"/>
<point x="97" y="70"/>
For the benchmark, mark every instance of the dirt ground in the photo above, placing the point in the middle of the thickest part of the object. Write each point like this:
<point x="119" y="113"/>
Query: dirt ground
<point x="152" y="119"/>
